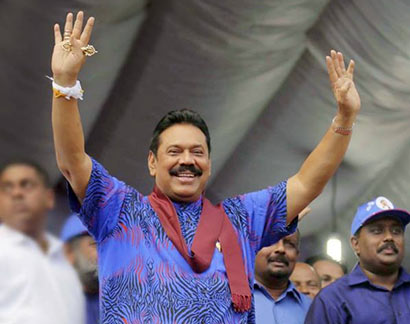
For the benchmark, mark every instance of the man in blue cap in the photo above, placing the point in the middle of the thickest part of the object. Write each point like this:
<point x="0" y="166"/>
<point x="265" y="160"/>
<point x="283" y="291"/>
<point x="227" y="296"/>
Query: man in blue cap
<point x="378" y="289"/>
<point x="81" y="251"/>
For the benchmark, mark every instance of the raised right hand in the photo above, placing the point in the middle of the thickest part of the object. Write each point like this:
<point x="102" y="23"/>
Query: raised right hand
<point x="66" y="65"/>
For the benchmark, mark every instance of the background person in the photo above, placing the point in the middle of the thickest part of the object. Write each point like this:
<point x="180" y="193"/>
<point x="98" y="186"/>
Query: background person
<point x="81" y="250"/>
<point x="306" y="279"/>
<point x="37" y="284"/>
<point x="276" y="298"/>
<point x="329" y="270"/>
<point x="377" y="290"/>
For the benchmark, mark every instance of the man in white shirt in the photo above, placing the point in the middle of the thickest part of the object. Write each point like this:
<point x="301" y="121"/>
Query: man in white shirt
<point x="37" y="284"/>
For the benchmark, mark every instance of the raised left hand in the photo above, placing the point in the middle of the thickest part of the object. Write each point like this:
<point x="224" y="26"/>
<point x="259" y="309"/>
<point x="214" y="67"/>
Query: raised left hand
<point x="341" y="80"/>
<point x="66" y="63"/>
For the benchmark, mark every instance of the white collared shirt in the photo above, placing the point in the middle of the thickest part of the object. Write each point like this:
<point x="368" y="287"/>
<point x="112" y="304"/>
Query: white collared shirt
<point x="37" y="287"/>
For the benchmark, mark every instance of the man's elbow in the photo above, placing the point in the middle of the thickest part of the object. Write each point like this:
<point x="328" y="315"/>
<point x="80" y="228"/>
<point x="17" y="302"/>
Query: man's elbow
<point x="70" y="166"/>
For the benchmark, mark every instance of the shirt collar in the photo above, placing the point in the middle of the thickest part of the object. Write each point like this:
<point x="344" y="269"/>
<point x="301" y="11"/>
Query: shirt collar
<point x="180" y="205"/>
<point x="404" y="277"/>
<point x="291" y="290"/>
<point x="357" y="276"/>
<point x="12" y="235"/>
<point x="55" y="245"/>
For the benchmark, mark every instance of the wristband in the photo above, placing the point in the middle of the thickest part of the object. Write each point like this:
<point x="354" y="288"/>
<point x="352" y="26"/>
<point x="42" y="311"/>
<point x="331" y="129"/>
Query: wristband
<point x="341" y="130"/>
<point x="75" y="91"/>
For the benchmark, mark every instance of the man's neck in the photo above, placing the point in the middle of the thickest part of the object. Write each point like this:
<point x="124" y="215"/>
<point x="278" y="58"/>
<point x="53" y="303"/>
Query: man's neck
<point x="275" y="287"/>
<point x="37" y="235"/>
<point x="43" y="243"/>
<point x="387" y="280"/>
<point x="40" y="238"/>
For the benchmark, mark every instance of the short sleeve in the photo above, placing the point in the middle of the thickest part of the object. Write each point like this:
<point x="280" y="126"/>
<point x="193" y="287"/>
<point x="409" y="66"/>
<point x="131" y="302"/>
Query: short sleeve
<point x="102" y="203"/>
<point x="268" y="211"/>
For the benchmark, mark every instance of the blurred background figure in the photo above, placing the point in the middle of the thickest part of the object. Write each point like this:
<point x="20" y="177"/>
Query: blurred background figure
<point x="329" y="270"/>
<point x="306" y="279"/>
<point x="81" y="251"/>
<point x="276" y="298"/>
<point x="37" y="284"/>
<point x="377" y="290"/>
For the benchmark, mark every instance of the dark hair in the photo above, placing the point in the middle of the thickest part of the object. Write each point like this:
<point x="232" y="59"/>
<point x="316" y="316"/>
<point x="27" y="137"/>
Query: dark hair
<point x="321" y="257"/>
<point x="30" y="163"/>
<point x="182" y="116"/>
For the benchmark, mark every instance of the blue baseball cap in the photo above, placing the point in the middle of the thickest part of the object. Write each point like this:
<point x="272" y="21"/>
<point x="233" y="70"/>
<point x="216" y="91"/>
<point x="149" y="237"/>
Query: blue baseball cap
<point x="72" y="228"/>
<point x="378" y="208"/>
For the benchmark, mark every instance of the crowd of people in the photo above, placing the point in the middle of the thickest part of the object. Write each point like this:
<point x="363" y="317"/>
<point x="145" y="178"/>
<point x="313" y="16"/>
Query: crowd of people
<point x="173" y="256"/>
<point x="39" y="285"/>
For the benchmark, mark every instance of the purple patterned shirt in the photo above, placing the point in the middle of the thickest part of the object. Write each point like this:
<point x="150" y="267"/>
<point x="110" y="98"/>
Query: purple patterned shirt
<point x="144" y="279"/>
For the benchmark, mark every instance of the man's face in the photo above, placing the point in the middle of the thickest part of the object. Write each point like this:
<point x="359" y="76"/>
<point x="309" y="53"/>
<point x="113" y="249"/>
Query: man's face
<point x="182" y="165"/>
<point x="87" y="247"/>
<point x="277" y="261"/>
<point x="305" y="279"/>
<point x="380" y="245"/>
<point x="83" y="255"/>
<point x="328" y="271"/>
<point x="24" y="199"/>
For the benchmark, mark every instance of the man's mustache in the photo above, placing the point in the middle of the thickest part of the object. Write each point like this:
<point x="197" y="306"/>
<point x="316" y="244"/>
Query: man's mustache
<point x="183" y="168"/>
<point x="279" y="258"/>
<point x="388" y="245"/>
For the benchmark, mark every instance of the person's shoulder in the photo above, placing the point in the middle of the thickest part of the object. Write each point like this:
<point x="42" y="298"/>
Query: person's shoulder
<point x="305" y="299"/>
<point x="336" y="290"/>
<point x="9" y="236"/>
<point x="110" y="181"/>
<point x="3" y="237"/>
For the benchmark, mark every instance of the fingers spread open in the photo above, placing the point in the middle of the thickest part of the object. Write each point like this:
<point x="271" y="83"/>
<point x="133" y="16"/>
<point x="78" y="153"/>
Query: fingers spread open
<point x="331" y="69"/>
<point x="57" y="34"/>
<point x="86" y="35"/>
<point x="78" y="25"/>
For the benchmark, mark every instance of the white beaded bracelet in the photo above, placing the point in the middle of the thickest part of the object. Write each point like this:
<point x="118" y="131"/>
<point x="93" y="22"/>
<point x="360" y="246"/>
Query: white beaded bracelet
<point x="75" y="91"/>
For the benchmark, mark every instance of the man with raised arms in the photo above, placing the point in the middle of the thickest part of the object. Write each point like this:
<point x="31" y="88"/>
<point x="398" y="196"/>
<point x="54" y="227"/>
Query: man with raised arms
<point x="173" y="257"/>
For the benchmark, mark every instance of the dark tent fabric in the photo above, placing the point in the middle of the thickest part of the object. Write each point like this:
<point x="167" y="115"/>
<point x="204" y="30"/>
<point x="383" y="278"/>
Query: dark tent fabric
<point x="255" y="71"/>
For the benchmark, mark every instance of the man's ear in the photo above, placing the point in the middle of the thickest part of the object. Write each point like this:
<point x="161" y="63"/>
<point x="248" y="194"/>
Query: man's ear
<point x="354" y="242"/>
<point x="152" y="164"/>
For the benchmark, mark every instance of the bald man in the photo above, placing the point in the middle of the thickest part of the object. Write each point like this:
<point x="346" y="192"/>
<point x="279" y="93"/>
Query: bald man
<point x="329" y="271"/>
<point x="306" y="279"/>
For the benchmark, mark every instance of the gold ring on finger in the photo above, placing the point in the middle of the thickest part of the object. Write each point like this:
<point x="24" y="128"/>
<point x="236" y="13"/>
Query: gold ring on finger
<point x="67" y="34"/>
<point x="89" y="50"/>
<point x="67" y="46"/>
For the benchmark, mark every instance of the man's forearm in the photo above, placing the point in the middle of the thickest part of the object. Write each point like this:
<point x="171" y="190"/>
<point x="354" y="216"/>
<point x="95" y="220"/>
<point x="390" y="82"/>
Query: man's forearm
<point x="318" y="168"/>
<point x="324" y="160"/>
<point x="72" y="160"/>
<point x="67" y="131"/>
